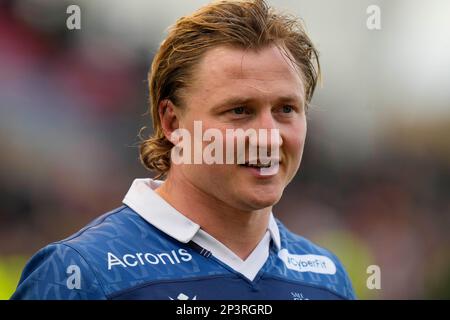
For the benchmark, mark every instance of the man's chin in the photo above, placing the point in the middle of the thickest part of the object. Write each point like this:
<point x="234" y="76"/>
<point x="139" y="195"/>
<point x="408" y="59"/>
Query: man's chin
<point x="261" y="201"/>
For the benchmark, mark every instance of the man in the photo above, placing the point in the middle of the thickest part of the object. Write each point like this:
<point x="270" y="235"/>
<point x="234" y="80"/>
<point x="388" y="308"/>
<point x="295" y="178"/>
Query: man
<point x="207" y="231"/>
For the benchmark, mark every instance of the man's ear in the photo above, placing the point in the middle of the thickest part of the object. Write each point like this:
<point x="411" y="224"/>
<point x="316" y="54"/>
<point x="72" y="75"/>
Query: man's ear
<point x="168" y="117"/>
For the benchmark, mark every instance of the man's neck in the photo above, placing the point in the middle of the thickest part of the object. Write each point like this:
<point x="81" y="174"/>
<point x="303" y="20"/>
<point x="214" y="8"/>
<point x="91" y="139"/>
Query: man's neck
<point x="240" y="231"/>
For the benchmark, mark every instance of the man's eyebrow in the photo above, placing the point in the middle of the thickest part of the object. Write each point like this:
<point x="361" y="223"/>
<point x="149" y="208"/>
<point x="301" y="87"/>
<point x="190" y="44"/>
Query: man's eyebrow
<point x="294" y="98"/>
<point x="233" y="101"/>
<point x="240" y="101"/>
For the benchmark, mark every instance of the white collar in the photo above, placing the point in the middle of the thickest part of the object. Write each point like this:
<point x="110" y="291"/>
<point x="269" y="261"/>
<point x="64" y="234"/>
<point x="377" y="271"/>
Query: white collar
<point x="142" y="198"/>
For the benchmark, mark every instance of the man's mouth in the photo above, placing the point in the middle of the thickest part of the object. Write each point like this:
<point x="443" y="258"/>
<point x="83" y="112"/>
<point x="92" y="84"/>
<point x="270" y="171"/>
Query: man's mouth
<point x="259" y="164"/>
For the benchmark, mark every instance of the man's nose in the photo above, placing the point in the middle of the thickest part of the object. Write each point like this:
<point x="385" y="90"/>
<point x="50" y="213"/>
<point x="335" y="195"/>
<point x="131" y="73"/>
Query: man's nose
<point x="267" y="126"/>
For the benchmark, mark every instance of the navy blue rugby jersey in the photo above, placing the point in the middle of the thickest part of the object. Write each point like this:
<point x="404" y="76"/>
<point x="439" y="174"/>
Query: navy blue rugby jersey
<point x="145" y="249"/>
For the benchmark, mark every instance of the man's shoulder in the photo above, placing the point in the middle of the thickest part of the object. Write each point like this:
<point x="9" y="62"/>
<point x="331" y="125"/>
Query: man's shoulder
<point x="119" y="223"/>
<point x="66" y="269"/>
<point x="301" y="244"/>
<point x="122" y="240"/>
<point x="116" y="251"/>
<point x="308" y="262"/>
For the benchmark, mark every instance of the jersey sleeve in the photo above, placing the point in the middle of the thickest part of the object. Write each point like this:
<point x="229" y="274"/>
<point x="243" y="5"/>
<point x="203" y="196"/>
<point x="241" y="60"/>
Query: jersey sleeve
<point x="58" y="272"/>
<point x="348" y="290"/>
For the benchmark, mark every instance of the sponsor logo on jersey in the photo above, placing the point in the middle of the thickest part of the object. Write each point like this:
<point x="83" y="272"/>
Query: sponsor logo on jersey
<point x="307" y="262"/>
<point x="143" y="258"/>
<point x="298" y="296"/>
<point x="182" y="296"/>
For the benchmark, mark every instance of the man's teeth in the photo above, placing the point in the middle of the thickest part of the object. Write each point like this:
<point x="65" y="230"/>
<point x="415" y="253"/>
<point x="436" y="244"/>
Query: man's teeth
<point x="259" y="165"/>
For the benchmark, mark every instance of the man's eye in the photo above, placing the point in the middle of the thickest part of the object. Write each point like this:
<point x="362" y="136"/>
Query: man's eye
<point x="287" y="109"/>
<point x="239" y="110"/>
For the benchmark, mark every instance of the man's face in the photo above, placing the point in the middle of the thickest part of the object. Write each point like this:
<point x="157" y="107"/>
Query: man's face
<point x="233" y="88"/>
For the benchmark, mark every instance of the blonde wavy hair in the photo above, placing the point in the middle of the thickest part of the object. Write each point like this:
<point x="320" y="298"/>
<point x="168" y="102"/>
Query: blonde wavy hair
<point x="248" y="24"/>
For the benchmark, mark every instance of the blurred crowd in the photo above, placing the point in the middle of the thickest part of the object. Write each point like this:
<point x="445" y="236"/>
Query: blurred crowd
<point x="70" y="114"/>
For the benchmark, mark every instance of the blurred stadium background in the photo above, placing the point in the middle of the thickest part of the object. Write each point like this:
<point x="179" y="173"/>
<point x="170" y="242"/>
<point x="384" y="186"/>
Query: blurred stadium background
<point x="375" y="180"/>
